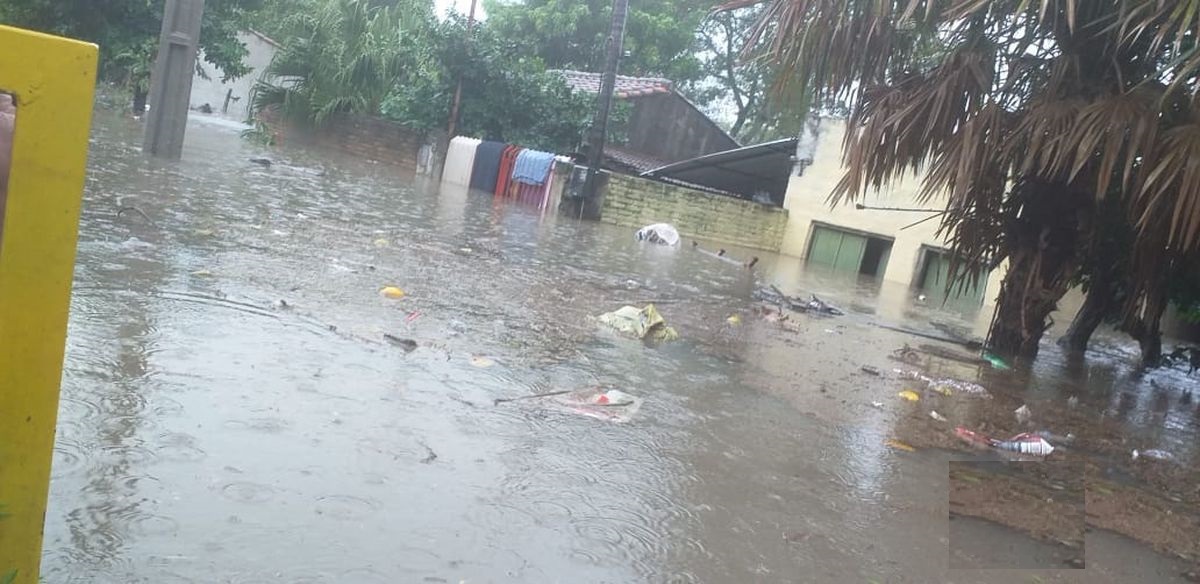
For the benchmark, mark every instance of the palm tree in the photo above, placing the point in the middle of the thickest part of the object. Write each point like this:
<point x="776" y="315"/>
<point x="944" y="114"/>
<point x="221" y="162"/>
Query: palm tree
<point x="1023" y="114"/>
<point x="347" y="56"/>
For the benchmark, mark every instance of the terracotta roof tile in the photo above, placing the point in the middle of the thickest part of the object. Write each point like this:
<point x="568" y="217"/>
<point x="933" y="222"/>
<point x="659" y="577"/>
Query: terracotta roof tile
<point x="633" y="161"/>
<point x="625" y="88"/>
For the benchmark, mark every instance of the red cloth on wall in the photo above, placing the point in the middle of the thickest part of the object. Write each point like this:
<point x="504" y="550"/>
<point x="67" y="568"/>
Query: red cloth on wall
<point x="508" y="158"/>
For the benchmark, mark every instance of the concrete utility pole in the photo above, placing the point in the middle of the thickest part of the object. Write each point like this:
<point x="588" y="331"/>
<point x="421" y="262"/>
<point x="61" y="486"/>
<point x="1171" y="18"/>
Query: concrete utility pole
<point x="616" y="37"/>
<point x="171" y="82"/>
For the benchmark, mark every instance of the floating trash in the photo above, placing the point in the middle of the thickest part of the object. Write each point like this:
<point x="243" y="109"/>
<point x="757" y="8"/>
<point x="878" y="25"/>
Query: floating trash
<point x="945" y="385"/>
<point x="612" y="405"/>
<point x="898" y="445"/>
<point x="645" y="323"/>
<point x="1153" y="454"/>
<point x="909" y="395"/>
<point x="1024" y="443"/>
<point x="392" y="292"/>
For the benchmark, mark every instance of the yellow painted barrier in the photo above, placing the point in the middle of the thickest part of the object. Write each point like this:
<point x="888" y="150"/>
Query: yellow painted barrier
<point x="53" y="80"/>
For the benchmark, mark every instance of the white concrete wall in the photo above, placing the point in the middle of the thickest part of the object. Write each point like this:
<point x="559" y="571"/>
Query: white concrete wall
<point x="807" y="202"/>
<point x="212" y="92"/>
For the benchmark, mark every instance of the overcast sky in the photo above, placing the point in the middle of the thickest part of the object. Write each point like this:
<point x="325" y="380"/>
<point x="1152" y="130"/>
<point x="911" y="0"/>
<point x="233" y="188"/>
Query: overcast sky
<point x="463" y="6"/>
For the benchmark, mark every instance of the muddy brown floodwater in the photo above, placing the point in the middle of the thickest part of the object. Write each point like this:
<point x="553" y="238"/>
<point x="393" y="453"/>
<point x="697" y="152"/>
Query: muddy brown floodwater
<point x="231" y="411"/>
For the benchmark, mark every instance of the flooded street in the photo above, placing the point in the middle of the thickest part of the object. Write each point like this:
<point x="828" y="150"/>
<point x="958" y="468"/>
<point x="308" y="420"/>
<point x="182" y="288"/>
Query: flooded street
<point x="232" y="412"/>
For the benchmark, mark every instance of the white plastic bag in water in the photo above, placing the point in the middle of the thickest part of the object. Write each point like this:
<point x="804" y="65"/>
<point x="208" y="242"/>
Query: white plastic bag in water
<point x="660" y="233"/>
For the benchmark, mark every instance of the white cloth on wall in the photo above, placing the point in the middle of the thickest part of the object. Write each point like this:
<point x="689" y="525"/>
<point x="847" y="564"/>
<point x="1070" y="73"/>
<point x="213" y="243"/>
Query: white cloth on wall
<point x="460" y="159"/>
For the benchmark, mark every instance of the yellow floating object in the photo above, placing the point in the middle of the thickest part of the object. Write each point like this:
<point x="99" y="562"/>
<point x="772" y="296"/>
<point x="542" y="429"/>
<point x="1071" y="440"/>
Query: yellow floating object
<point x="392" y="292"/>
<point x="53" y="80"/>
<point x="909" y="395"/>
<point x="898" y="445"/>
<point x="481" y="361"/>
<point x="940" y="388"/>
<point x="381" y="242"/>
<point x="734" y="320"/>
<point x="202" y="273"/>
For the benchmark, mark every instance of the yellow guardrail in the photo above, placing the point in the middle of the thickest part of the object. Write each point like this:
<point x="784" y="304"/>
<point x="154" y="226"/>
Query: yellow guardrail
<point x="53" y="80"/>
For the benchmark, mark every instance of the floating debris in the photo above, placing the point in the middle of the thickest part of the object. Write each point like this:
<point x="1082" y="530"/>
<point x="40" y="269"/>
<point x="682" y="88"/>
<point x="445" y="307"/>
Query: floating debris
<point x="408" y="345"/>
<point x="898" y="445"/>
<point x="909" y="395"/>
<point x="1023" y="414"/>
<point x="945" y="385"/>
<point x="1154" y="454"/>
<point x="392" y="292"/>
<point x="933" y="414"/>
<point x="612" y="405"/>
<point x="645" y="323"/>
<point x="481" y="362"/>
<point x="869" y="370"/>
<point x="1024" y="443"/>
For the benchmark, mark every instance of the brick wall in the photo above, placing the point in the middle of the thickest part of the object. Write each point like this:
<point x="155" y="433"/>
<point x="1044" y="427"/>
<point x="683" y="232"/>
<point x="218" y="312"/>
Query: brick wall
<point x="364" y="137"/>
<point x="636" y="202"/>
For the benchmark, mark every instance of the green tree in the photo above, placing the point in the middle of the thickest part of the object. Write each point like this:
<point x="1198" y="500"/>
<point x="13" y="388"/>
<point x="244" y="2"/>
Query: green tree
<point x="506" y="96"/>
<point x="1022" y="113"/>
<point x="127" y="32"/>
<point x="571" y="34"/>
<point x="344" y="56"/>
<point x="731" y="83"/>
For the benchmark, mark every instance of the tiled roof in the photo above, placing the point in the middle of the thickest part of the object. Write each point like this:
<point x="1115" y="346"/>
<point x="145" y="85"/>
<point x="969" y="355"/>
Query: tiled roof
<point x="625" y="88"/>
<point x="632" y="161"/>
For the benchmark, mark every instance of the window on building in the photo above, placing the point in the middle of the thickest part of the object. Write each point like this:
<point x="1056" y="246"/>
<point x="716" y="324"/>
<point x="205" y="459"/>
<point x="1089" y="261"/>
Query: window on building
<point x="849" y="251"/>
<point x="934" y="273"/>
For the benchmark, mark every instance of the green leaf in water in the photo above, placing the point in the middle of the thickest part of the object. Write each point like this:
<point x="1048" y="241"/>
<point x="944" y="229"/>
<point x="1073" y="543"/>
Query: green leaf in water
<point x="9" y="578"/>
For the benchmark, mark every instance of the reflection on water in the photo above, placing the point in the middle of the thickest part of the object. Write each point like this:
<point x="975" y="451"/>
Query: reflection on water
<point x="232" y="413"/>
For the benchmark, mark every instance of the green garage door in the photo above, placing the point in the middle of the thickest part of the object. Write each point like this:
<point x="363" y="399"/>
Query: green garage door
<point x="837" y="249"/>
<point x="937" y="273"/>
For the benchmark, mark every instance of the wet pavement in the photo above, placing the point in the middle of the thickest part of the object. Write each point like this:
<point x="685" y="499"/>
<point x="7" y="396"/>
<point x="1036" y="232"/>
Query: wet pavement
<point x="232" y="412"/>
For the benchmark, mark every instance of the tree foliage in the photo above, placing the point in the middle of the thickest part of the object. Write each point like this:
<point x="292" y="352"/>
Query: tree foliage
<point x="127" y="31"/>
<point x="1022" y="113"/>
<point x="343" y="56"/>
<point x="506" y="96"/>
<point x="383" y="58"/>
<point x="571" y="34"/>
<point x="741" y="86"/>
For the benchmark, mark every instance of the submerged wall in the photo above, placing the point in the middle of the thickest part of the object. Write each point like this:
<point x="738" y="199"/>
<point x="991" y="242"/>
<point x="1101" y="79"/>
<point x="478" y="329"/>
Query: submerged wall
<point x="636" y="202"/>
<point x="365" y="137"/>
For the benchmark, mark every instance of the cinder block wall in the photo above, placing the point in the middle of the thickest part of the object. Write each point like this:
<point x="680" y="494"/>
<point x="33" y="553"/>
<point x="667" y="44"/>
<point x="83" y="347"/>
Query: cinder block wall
<point x="636" y="202"/>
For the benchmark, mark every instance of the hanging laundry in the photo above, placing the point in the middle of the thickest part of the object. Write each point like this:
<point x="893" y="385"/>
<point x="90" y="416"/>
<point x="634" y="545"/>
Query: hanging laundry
<point x="487" y="166"/>
<point x="533" y="167"/>
<point x="508" y="159"/>
<point x="460" y="160"/>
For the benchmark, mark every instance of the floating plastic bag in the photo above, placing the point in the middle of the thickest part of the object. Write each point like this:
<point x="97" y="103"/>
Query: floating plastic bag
<point x="612" y="405"/>
<point x="660" y="233"/>
<point x="645" y="323"/>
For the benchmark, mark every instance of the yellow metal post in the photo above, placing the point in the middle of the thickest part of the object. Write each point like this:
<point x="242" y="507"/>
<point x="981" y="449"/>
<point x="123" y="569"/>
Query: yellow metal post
<point x="53" y="80"/>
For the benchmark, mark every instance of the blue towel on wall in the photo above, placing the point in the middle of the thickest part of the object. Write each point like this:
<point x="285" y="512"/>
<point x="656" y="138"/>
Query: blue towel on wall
<point x="532" y="167"/>
<point x="487" y="166"/>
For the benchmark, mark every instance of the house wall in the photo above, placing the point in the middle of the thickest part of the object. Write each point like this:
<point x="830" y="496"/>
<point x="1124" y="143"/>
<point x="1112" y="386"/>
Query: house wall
<point x="807" y="202"/>
<point x="667" y="127"/>
<point x="212" y="91"/>
<point x="637" y="202"/>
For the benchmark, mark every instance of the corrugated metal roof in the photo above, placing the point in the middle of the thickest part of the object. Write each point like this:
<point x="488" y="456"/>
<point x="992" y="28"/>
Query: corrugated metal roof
<point x="745" y="171"/>
<point x="625" y="88"/>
